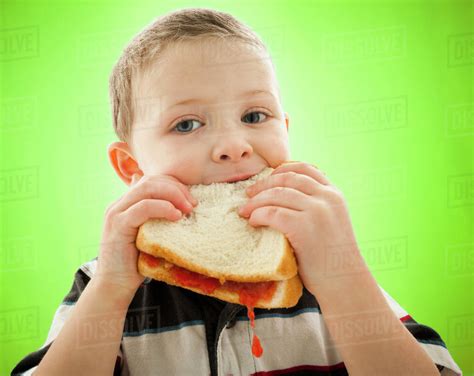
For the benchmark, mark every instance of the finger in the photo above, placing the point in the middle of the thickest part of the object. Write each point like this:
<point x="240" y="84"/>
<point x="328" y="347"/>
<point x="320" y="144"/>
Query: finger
<point x="184" y="188"/>
<point x="142" y="211"/>
<point x="278" y="196"/>
<point x="275" y="217"/>
<point x="290" y="179"/>
<point x="303" y="168"/>
<point x="289" y="162"/>
<point x="153" y="189"/>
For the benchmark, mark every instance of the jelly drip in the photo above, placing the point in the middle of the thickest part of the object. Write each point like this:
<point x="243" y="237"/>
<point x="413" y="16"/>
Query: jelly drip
<point x="257" y="349"/>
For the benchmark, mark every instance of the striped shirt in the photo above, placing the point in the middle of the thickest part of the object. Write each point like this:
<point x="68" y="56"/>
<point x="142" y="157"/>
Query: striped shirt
<point x="169" y="330"/>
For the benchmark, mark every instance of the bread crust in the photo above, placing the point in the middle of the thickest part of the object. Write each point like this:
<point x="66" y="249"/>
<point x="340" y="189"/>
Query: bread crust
<point x="288" y="266"/>
<point x="287" y="269"/>
<point x="287" y="293"/>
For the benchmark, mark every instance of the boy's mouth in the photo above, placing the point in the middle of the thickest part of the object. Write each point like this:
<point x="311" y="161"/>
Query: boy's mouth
<point x="238" y="178"/>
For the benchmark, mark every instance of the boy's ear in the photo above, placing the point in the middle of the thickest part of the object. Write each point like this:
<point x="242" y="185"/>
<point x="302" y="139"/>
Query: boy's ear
<point x="287" y="120"/>
<point x="123" y="162"/>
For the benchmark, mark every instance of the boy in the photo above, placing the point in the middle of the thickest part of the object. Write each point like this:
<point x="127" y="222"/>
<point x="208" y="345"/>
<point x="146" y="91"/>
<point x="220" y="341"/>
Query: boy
<point x="203" y="67"/>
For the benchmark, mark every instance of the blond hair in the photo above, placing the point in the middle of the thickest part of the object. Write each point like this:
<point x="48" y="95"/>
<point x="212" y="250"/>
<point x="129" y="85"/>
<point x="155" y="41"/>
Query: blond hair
<point x="178" y="25"/>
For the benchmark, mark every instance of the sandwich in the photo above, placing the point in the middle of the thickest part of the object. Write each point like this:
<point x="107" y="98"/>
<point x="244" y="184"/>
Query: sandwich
<point x="216" y="252"/>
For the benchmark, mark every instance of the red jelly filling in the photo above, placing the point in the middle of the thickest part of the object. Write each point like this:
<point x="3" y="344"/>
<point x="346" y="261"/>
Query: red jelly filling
<point x="191" y="279"/>
<point x="251" y="292"/>
<point x="151" y="260"/>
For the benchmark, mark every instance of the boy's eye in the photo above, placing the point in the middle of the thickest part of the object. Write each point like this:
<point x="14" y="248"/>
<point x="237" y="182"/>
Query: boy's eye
<point x="253" y="116"/>
<point x="187" y="125"/>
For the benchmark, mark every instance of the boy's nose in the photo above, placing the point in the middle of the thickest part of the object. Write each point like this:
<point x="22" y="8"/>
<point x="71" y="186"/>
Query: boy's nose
<point x="224" y="157"/>
<point x="232" y="150"/>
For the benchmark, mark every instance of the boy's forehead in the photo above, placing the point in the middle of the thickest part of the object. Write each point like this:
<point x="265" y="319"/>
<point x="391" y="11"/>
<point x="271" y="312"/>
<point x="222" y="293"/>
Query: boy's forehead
<point x="181" y="72"/>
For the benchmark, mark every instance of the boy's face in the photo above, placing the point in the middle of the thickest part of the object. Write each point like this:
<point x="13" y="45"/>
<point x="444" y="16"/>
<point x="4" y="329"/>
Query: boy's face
<point x="222" y="130"/>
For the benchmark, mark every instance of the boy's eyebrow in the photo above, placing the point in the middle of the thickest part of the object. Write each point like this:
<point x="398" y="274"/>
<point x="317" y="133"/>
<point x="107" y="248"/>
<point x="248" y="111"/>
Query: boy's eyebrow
<point x="201" y="100"/>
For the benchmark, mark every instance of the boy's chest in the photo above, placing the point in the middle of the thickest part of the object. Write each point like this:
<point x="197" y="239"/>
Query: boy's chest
<point x="191" y="337"/>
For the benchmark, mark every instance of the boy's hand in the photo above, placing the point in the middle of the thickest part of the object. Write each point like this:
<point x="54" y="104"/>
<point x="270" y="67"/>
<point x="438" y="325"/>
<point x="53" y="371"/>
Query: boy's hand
<point x="298" y="200"/>
<point x="157" y="196"/>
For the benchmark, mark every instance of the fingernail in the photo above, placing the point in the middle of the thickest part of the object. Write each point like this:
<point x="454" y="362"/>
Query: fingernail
<point x="243" y="212"/>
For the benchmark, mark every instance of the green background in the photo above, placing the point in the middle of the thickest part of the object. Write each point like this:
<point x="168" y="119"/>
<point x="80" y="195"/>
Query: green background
<point x="379" y="96"/>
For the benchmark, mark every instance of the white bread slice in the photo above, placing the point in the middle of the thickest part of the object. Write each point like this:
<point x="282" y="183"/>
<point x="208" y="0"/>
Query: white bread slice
<point x="214" y="240"/>
<point x="287" y="292"/>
